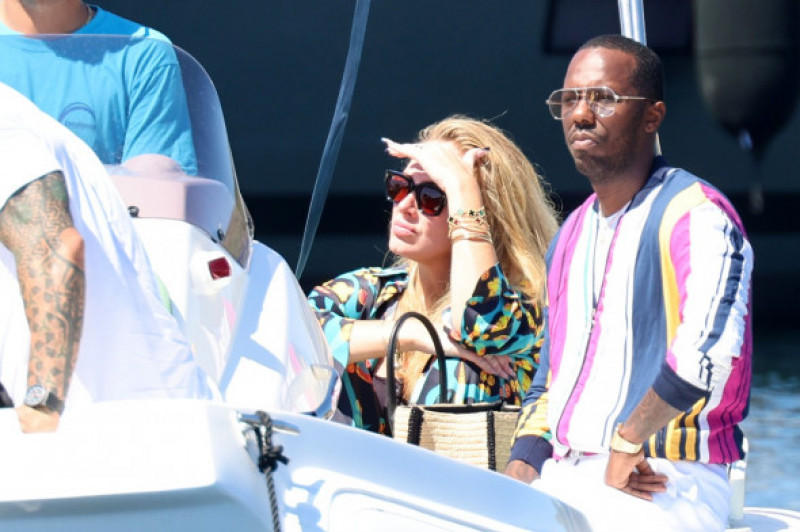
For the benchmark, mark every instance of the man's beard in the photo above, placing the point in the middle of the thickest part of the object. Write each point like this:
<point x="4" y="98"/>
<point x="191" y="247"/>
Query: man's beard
<point x="602" y="168"/>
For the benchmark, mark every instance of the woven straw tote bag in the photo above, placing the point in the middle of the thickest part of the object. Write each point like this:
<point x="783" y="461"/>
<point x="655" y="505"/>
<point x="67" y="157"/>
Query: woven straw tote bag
<point x="479" y="434"/>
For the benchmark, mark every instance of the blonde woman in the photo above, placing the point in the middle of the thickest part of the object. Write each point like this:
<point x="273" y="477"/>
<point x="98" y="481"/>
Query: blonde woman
<point x="470" y="226"/>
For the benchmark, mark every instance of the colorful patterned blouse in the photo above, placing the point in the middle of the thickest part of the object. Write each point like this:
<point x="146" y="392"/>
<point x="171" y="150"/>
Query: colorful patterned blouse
<point x="496" y="321"/>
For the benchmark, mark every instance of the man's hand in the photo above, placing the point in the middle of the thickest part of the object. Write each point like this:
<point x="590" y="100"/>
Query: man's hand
<point x="36" y="420"/>
<point x="522" y="471"/>
<point x="632" y="474"/>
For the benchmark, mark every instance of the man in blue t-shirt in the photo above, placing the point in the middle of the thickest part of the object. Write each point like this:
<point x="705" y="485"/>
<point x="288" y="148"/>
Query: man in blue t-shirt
<point x="122" y="95"/>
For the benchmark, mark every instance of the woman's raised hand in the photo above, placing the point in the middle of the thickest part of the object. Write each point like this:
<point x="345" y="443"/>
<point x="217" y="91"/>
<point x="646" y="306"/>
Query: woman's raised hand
<point x="440" y="160"/>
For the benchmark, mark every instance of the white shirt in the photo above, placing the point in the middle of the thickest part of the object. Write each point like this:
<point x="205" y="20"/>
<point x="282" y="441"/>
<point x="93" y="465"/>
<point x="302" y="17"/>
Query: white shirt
<point x="606" y="227"/>
<point x="131" y="346"/>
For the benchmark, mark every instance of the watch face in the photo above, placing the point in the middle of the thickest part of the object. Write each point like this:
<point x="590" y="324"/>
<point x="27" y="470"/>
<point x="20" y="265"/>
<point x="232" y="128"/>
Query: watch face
<point x="36" y="395"/>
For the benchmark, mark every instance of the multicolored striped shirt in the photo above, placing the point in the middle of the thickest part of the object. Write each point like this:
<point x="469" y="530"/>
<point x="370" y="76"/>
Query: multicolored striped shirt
<point x="672" y="312"/>
<point x="497" y="320"/>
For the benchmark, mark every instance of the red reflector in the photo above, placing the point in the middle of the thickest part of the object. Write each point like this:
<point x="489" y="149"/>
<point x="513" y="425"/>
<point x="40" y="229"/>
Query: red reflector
<point x="219" y="268"/>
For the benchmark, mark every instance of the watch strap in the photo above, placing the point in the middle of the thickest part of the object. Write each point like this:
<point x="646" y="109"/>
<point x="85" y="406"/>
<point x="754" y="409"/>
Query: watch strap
<point x="54" y="403"/>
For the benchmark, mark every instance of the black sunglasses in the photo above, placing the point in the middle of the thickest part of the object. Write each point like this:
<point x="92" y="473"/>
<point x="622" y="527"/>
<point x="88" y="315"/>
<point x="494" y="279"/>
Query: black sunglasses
<point x="430" y="198"/>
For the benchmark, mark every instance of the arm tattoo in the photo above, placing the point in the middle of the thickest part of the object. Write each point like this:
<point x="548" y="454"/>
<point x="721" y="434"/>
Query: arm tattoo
<point x="649" y="416"/>
<point x="36" y="226"/>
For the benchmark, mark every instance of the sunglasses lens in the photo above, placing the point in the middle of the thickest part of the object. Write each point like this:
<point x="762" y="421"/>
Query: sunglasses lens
<point x="397" y="188"/>
<point x="431" y="199"/>
<point x="561" y="102"/>
<point x="602" y="100"/>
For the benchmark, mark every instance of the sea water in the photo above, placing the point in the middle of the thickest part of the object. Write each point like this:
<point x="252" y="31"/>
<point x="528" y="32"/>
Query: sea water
<point x="773" y="426"/>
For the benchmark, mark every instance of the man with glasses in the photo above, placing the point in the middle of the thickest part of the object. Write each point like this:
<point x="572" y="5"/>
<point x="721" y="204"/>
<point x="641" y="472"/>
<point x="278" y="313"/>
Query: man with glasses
<point x="645" y="369"/>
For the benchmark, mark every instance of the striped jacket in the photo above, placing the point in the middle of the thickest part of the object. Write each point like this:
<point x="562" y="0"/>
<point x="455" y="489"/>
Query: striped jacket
<point x="672" y="313"/>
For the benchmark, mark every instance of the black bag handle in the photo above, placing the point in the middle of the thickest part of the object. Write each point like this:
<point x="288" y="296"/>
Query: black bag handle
<point x="391" y="398"/>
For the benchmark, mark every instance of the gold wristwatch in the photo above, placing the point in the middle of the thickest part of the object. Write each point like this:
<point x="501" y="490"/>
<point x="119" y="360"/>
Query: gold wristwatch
<point x="621" y="445"/>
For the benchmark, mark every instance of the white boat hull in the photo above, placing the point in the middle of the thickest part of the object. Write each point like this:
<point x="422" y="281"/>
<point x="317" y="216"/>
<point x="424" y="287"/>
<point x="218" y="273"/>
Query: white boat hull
<point x="154" y="465"/>
<point x="174" y="464"/>
<point x="191" y="465"/>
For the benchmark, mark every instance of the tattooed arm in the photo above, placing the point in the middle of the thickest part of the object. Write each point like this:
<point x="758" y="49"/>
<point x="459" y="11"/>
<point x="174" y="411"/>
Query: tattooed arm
<point x="36" y="226"/>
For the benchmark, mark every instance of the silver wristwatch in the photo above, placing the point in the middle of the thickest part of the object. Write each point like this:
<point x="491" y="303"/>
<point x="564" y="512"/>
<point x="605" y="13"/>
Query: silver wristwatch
<point x="40" y="397"/>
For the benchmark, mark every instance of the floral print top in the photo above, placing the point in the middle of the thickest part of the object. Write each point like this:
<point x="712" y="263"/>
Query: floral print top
<point x="497" y="321"/>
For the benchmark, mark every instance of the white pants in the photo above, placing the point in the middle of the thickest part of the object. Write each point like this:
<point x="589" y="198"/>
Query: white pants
<point x="697" y="496"/>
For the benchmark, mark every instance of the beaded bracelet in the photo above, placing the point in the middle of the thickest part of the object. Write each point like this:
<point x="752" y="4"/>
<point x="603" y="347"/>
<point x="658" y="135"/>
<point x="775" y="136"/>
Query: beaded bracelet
<point x="461" y="217"/>
<point x="470" y="219"/>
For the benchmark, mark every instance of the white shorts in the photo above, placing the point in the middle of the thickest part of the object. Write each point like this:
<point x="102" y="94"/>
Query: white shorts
<point x="697" y="496"/>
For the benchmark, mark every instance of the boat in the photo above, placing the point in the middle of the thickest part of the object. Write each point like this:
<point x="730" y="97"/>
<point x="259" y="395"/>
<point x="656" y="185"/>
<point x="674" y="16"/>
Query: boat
<point x="265" y="455"/>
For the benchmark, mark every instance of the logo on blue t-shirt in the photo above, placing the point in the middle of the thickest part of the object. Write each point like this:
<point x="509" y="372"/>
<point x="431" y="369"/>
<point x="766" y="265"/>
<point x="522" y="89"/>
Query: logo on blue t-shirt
<point x="80" y="118"/>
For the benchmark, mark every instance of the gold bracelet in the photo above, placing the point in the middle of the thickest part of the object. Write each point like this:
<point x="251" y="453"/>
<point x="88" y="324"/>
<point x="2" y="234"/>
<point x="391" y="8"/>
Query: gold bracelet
<point x="472" y="235"/>
<point x="470" y="228"/>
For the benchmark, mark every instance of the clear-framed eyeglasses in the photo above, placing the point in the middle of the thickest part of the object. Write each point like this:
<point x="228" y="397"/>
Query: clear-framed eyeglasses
<point x="601" y="100"/>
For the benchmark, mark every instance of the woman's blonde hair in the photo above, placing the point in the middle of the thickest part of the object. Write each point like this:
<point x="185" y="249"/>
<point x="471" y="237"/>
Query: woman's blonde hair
<point x="519" y="211"/>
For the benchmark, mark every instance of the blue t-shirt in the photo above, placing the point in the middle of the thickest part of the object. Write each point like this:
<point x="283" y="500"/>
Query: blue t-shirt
<point x="123" y="97"/>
